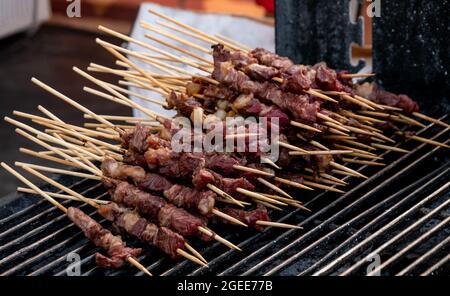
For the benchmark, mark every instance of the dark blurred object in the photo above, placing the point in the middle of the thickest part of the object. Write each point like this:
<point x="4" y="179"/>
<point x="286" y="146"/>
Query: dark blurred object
<point x="269" y="5"/>
<point x="411" y="42"/>
<point x="309" y="31"/>
<point x="49" y="56"/>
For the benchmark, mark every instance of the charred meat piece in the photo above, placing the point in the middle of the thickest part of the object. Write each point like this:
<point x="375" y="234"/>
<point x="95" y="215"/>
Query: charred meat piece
<point x="249" y="217"/>
<point x="116" y="249"/>
<point x="191" y="199"/>
<point x="113" y="169"/>
<point x="202" y="177"/>
<point x="373" y="92"/>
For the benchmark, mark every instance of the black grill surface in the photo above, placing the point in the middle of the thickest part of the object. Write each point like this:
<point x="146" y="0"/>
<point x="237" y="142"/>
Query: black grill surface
<point x="400" y="215"/>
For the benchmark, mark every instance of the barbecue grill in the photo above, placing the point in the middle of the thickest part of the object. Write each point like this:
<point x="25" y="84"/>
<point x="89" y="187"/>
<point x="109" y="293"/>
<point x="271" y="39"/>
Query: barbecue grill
<point x="394" y="223"/>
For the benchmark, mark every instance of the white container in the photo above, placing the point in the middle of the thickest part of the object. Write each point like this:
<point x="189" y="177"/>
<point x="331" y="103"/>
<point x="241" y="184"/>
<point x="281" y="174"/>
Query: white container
<point x="21" y="15"/>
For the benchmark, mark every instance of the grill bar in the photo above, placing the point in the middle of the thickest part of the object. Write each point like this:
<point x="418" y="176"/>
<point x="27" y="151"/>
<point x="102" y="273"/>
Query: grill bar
<point x="412" y="227"/>
<point x="427" y="256"/>
<point x="269" y="252"/>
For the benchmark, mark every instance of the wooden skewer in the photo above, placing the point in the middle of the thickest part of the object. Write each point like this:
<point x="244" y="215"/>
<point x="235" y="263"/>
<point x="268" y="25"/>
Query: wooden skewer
<point x="317" y="144"/>
<point x="321" y="186"/>
<point x="195" y="252"/>
<point x="389" y="148"/>
<point x="322" y="180"/>
<point x="364" y="155"/>
<point x="58" y="171"/>
<point x="148" y="46"/>
<point x="165" y="33"/>
<point x="320" y="95"/>
<point x="326" y="152"/>
<point x="259" y="196"/>
<point x="57" y="151"/>
<point x="62" y="208"/>
<point x="191" y="257"/>
<point x="273" y="187"/>
<point x="355" y="150"/>
<point x="59" y="195"/>
<point x="48" y="157"/>
<point x="277" y="224"/>
<point x="365" y="162"/>
<point x="358" y="144"/>
<point x="120" y="118"/>
<point x="218" y="238"/>
<point x="224" y="195"/>
<point x="431" y="119"/>
<point x="186" y="32"/>
<point x="370" y="103"/>
<point x="70" y="101"/>
<point x="270" y="162"/>
<point x="291" y="147"/>
<point x="305" y="126"/>
<point x="228" y="217"/>
<point x="100" y="83"/>
<point x="359" y="130"/>
<point x="268" y="205"/>
<point x="336" y="126"/>
<point x="337" y="132"/>
<point x="346" y="169"/>
<point x="252" y="170"/>
<point x="357" y="75"/>
<point x="192" y="29"/>
<point x="381" y="136"/>
<point x="337" y="138"/>
<point x="242" y="47"/>
<point x="328" y="176"/>
<point x="292" y="183"/>
<point x="356" y="102"/>
<point x="410" y="120"/>
<point x="327" y="118"/>
<point x="40" y="120"/>
<point x="423" y="140"/>
<point x="361" y="117"/>
<point x="136" y="67"/>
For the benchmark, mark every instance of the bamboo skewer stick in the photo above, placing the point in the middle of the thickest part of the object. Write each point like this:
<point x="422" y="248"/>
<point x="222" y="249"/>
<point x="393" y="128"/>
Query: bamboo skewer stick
<point x="292" y="183"/>
<point x="224" y="195"/>
<point x="346" y="169"/>
<point x="59" y="195"/>
<point x="277" y="224"/>
<point x="57" y="151"/>
<point x="62" y="208"/>
<point x="70" y="101"/>
<point x="148" y="46"/>
<point x="431" y="119"/>
<point x="218" y="238"/>
<point x="364" y="162"/>
<point x="165" y="33"/>
<point x="192" y="29"/>
<point x="357" y="75"/>
<point x="326" y="152"/>
<point x="423" y="140"/>
<point x="273" y="187"/>
<point x="389" y="148"/>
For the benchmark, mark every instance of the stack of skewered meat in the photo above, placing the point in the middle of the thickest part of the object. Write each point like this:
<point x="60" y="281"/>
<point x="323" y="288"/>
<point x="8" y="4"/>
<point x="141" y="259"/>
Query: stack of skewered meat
<point x="163" y="196"/>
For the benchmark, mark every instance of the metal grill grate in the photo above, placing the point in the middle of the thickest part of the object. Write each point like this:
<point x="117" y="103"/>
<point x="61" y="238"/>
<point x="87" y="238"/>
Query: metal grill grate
<point x="401" y="213"/>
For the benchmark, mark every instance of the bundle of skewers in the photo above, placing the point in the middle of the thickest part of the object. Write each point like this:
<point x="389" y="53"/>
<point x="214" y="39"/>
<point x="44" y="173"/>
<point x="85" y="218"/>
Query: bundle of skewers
<point x="163" y="196"/>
